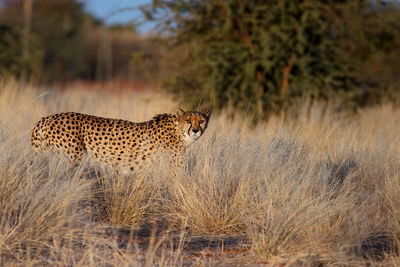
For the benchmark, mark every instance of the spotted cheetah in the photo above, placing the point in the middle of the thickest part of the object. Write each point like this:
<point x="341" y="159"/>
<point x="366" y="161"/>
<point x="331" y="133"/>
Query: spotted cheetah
<point x="118" y="142"/>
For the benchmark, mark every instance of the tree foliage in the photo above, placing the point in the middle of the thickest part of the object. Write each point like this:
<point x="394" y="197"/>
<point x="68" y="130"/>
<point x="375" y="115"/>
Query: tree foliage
<point x="261" y="55"/>
<point x="11" y="61"/>
<point x="56" y="33"/>
<point x="63" y="42"/>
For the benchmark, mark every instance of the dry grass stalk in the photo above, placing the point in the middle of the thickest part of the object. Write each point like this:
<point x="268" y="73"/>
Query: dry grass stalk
<point x="321" y="188"/>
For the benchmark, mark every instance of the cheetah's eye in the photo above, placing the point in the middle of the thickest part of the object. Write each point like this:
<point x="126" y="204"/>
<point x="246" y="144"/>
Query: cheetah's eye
<point x="201" y="121"/>
<point x="188" y="121"/>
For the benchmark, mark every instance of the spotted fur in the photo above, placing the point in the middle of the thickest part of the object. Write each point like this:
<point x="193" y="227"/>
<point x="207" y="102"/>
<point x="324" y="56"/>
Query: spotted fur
<point x="118" y="142"/>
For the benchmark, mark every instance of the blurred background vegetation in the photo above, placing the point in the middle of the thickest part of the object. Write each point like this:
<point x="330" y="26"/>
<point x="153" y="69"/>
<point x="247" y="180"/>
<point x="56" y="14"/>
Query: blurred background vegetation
<point x="48" y="41"/>
<point x="255" y="56"/>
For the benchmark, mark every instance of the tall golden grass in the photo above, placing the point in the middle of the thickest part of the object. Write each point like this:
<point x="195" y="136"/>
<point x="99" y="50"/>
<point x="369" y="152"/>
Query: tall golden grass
<point x="319" y="188"/>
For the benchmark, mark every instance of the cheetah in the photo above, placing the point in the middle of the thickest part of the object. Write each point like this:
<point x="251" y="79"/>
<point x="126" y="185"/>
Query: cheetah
<point x="118" y="142"/>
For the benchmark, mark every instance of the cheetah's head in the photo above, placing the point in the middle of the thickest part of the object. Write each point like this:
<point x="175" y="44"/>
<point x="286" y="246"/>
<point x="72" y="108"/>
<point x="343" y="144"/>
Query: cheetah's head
<point x="192" y="124"/>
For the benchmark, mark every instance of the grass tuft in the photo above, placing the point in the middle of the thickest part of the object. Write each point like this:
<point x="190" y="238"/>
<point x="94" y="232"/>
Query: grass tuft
<point x="320" y="189"/>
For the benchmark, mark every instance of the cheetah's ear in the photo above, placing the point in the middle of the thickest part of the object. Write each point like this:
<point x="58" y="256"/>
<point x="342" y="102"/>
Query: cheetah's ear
<point x="207" y="113"/>
<point x="179" y="113"/>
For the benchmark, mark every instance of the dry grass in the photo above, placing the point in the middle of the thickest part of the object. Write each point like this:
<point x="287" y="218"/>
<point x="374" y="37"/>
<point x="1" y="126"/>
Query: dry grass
<point x="319" y="189"/>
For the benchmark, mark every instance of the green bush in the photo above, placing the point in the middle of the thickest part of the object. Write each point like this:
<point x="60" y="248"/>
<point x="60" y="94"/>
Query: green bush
<point x="260" y="56"/>
<point x="11" y="61"/>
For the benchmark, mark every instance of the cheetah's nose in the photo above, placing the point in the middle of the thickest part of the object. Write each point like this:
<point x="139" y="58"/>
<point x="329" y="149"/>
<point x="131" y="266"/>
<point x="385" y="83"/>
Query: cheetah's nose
<point x="195" y="130"/>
